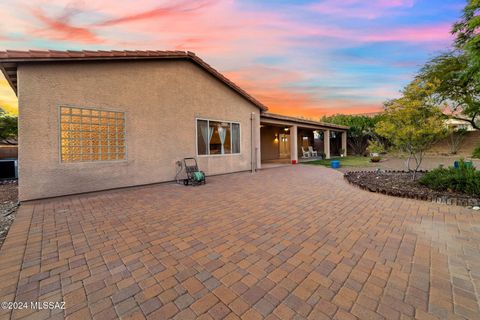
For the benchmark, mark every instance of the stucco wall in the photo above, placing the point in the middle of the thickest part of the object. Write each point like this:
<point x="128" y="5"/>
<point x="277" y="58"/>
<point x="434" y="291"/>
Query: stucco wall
<point x="161" y="99"/>
<point x="270" y="148"/>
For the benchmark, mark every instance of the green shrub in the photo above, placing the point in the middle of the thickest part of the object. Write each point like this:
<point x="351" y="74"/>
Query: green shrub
<point x="374" y="146"/>
<point x="476" y="152"/>
<point x="465" y="179"/>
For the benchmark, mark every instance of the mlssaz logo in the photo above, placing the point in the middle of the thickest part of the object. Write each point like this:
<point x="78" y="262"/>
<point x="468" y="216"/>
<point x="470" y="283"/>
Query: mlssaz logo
<point x="46" y="305"/>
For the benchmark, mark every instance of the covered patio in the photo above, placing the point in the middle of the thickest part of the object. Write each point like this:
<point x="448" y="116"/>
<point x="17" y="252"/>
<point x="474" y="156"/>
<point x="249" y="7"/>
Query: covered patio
<point x="286" y="140"/>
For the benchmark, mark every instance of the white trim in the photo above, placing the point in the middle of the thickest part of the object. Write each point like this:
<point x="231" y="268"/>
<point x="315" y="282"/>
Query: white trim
<point x="231" y="136"/>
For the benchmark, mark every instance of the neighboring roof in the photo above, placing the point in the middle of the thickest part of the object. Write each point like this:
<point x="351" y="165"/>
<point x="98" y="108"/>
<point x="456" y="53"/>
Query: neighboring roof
<point x="273" y="116"/>
<point x="10" y="59"/>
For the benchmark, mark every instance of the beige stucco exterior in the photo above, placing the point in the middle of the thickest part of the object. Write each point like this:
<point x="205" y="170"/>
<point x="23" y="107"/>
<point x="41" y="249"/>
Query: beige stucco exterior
<point x="161" y="98"/>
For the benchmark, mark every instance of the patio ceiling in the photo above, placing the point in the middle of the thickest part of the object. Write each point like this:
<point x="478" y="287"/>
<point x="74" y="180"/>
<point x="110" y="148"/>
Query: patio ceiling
<point x="281" y="120"/>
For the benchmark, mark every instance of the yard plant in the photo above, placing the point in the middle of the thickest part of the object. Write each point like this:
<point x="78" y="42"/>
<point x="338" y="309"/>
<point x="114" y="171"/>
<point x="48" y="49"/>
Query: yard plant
<point x="413" y="122"/>
<point x="8" y="128"/>
<point x="476" y="152"/>
<point x="465" y="179"/>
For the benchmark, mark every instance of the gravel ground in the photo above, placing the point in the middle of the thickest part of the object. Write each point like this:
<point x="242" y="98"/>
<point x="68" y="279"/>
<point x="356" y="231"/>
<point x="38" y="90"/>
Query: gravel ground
<point x="8" y="206"/>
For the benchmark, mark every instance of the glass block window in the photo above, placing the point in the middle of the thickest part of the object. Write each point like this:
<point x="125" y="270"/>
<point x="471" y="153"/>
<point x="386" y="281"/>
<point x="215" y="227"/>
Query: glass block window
<point x="91" y="135"/>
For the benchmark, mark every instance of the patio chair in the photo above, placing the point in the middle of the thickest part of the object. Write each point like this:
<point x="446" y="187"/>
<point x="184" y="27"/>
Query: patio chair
<point x="312" y="152"/>
<point x="306" y="154"/>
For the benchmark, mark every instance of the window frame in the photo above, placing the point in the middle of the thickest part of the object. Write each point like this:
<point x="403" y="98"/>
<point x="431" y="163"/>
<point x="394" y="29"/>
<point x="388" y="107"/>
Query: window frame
<point x="59" y="130"/>
<point x="231" y="137"/>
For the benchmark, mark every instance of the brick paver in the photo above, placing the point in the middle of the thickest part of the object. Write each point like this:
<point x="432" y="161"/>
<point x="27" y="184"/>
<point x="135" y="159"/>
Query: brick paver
<point x="295" y="242"/>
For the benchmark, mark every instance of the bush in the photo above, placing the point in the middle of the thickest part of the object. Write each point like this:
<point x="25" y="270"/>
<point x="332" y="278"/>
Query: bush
<point x="8" y="127"/>
<point x="476" y="152"/>
<point x="375" y="146"/>
<point x="465" y="179"/>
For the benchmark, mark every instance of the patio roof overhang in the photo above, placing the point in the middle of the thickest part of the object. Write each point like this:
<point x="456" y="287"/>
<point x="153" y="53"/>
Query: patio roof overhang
<point x="277" y="119"/>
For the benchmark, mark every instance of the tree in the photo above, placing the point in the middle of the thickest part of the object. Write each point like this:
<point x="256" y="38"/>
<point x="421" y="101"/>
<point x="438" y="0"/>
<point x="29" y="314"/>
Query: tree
<point x="457" y="136"/>
<point x="459" y="92"/>
<point x="467" y="33"/>
<point x="413" y="122"/>
<point x="8" y="127"/>
<point x="458" y="72"/>
<point x="360" y="132"/>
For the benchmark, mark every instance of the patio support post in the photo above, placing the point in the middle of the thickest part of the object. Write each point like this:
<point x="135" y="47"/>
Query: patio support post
<point x="293" y="144"/>
<point x="326" y="143"/>
<point x="258" y="149"/>
<point x="344" y="142"/>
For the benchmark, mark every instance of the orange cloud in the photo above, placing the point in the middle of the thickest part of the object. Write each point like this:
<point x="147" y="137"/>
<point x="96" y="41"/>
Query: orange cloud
<point x="265" y="84"/>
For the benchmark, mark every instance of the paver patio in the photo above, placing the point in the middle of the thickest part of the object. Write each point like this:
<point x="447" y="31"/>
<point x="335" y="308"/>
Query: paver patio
<point x="287" y="243"/>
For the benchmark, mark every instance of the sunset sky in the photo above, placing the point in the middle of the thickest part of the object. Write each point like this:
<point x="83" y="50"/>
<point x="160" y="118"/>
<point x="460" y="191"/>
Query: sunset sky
<point x="300" y="58"/>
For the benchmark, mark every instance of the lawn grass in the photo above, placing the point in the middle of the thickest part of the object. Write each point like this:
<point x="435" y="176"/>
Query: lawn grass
<point x="351" y="161"/>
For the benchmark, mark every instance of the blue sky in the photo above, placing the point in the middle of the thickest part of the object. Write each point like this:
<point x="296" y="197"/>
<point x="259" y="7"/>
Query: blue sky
<point x="301" y="58"/>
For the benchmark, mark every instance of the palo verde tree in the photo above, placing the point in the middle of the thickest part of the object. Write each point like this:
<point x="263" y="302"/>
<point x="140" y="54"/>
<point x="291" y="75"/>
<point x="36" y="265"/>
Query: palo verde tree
<point x="362" y="129"/>
<point x="413" y="122"/>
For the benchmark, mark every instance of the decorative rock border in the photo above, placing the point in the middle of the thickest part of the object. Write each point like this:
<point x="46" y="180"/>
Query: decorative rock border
<point x="434" y="196"/>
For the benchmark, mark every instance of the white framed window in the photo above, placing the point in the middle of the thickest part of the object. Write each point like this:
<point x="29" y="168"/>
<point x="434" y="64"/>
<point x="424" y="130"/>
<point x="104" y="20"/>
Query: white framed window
<point x="216" y="137"/>
<point x="88" y="135"/>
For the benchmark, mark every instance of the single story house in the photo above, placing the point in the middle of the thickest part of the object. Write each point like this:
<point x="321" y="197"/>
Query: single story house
<point x="97" y="120"/>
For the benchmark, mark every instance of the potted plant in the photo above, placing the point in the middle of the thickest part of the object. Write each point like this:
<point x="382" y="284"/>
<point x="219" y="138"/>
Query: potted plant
<point x="375" y="148"/>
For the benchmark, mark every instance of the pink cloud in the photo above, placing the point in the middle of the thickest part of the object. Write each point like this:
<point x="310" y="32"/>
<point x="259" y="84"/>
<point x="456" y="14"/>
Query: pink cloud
<point x="61" y="29"/>
<point x="394" y="3"/>
<point x="232" y="37"/>
<point x="180" y="8"/>
<point x="358" y="8"/>
<point x="439" y="32"/>
<point x="425" y="34"/>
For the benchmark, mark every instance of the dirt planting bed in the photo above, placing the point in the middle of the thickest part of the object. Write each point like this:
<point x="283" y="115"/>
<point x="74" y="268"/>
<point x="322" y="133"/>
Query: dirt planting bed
<point x="401" y="184"/>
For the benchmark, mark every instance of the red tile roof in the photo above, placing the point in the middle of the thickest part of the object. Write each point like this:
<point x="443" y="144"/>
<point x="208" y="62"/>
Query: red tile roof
<point x="10" y="59"/>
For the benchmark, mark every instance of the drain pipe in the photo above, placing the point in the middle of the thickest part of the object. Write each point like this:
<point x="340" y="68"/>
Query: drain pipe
<point x="253" y="155"/>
